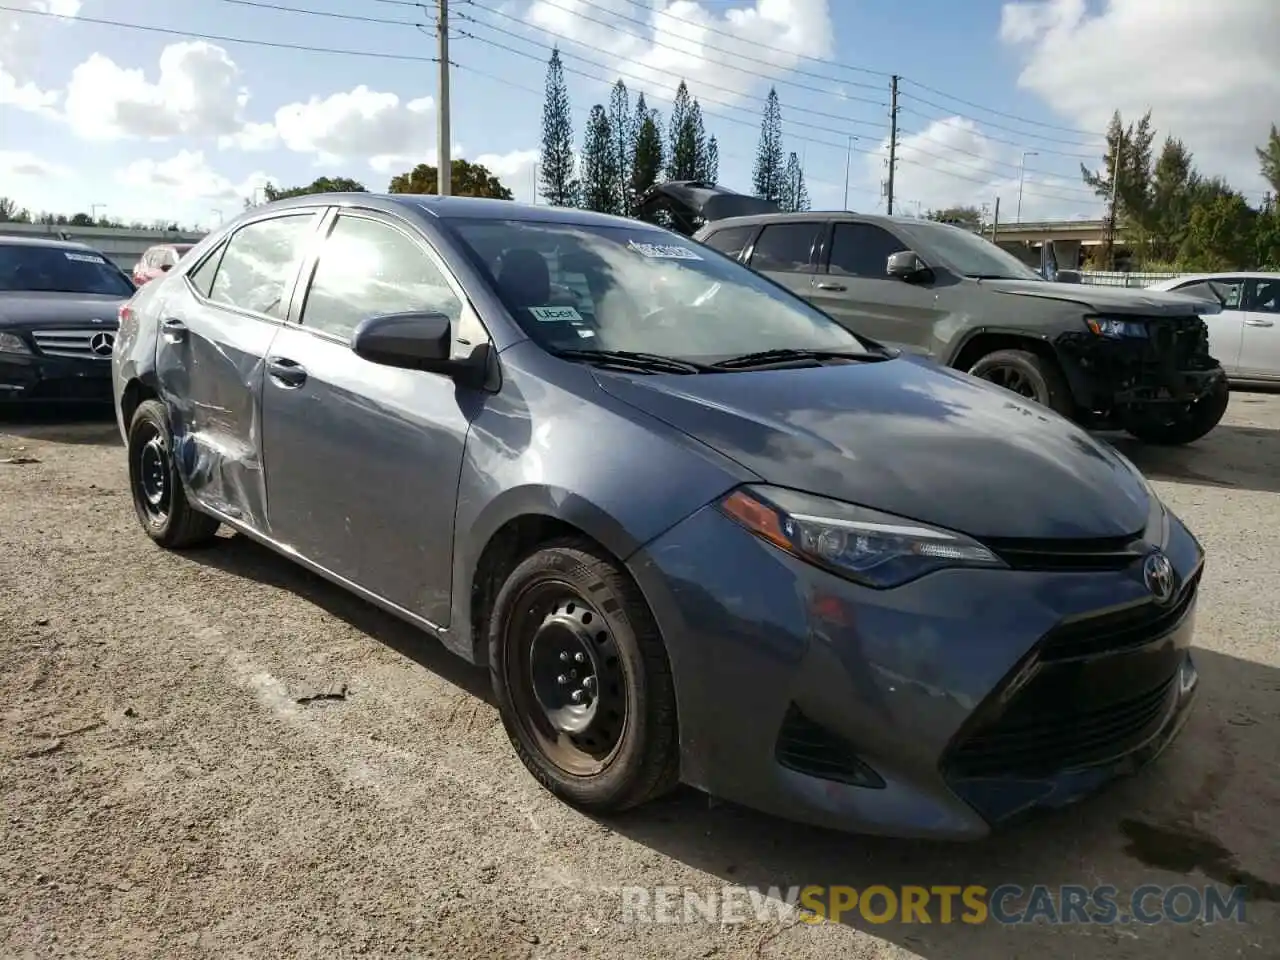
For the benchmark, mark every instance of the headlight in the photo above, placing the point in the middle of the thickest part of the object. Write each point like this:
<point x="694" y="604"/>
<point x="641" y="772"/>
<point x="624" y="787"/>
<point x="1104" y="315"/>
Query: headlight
<point x="1116" y="329"/>
<point x="12" y="343"/>
<point x="872" y="548"/>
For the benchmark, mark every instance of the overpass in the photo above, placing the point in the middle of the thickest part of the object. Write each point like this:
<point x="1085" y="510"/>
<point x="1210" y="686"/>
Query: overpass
<point x="122" y="245"/>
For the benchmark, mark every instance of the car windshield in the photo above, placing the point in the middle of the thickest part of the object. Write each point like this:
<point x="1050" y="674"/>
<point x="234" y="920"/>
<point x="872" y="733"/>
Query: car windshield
<point x="29" y="268"/>
<point x="966" y="253"/>
<point x="641" y="290"/>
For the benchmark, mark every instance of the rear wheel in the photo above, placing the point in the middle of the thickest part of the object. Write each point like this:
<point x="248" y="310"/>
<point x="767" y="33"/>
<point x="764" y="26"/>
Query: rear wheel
<point x="1028" y="375"/>
<point x="582" y="679"/>
<point x="158" y="496"/>
<point x="1178" y="425"/>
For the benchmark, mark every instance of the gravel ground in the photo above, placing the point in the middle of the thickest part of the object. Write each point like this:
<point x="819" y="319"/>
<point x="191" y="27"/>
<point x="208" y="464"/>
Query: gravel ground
<point x="166" y="794"/>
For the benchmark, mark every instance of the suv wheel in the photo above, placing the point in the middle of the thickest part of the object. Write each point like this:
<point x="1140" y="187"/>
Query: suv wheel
<point x="158" y="496"/>
<point x="1185" y="425"/>
<point x="582" y="680"/>
<point x="1028" y="375"/>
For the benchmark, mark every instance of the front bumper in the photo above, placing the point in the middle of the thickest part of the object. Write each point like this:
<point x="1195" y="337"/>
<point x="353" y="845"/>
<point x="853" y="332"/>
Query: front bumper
<point x="35" y="378"/>
<point x="940" y="709"/>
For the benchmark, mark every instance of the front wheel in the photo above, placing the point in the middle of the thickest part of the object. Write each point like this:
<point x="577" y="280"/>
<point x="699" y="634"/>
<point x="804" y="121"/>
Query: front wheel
<point x="1028" y="375"/>
<point x="1184" y="424"/>
<point x="582" y="680"/>
<point x="158" y="497"/>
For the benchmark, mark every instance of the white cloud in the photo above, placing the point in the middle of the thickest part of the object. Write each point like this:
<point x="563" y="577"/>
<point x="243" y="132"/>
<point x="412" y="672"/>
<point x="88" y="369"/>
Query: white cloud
<point x="361" y="123"/>
<point x="187" y="178"/>
<point x="20" y="53"/>
<point x="514" y="169"/>
<point x="1208" y="72"/>
<point x="197" y="93"/>
<point x="252" y="137"/>
<point x="729" y="52"/>
<point x="21" y="164"/>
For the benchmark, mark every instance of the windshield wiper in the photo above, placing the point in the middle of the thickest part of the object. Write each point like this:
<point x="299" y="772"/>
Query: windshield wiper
<point x="651" y="362"/>
<point x="764" y="358"/>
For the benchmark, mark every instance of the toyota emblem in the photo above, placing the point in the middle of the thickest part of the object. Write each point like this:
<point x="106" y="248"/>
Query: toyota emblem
<point x="101" y="344"/>
<point x="1157" y="573"/>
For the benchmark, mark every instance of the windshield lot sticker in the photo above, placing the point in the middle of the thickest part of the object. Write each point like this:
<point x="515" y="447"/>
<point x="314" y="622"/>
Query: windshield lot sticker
<point x="556" y="315"/>
<point x="663" y="251"/>
<point x="84" y="258"/>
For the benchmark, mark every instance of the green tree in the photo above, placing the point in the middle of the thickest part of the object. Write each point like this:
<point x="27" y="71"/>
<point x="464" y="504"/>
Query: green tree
<point x="712" y="170"/>
<point x="599" y="164"/>
<point x="646" y="168"/>
<point x="466" y="179"/>
<point x="1174" y="183"/>
<point x="968" y="217"/>
<point x="319" y="185"/>
<point x="1220" y="232"/>
<point x="697" y="132"/>
<point x="556" y="168"/>
<point x="1269" y="159"/>
<point x="795" y="196"/>
<point x="683" y="146"/>
<point x="767" y="175"/>
<point x="622" y="128"/>
<point x="1132" y="144"/>
<point x="82" y="220"/>
<point x="10" y="212"/>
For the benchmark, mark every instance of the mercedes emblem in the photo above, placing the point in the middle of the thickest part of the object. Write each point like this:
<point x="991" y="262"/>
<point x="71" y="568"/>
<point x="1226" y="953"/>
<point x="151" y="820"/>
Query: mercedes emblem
<point x="101" y="344"/>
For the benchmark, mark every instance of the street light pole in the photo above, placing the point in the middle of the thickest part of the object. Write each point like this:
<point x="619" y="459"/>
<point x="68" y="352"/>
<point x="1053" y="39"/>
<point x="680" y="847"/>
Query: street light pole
<point x="1022" y="174"/>
<point x="848" y="155"/>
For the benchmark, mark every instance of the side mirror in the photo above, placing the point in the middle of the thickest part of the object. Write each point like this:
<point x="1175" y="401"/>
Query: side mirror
<point x="411" y="341"/>
<point x="905" y="265"/>
<point x="1068" y="276"/>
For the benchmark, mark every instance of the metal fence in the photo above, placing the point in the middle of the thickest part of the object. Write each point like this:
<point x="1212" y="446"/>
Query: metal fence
<point x="1106" y="278"/>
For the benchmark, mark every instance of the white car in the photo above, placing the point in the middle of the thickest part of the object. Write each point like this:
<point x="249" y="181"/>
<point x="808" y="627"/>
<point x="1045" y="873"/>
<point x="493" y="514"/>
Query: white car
<point x="1245" y="336"/>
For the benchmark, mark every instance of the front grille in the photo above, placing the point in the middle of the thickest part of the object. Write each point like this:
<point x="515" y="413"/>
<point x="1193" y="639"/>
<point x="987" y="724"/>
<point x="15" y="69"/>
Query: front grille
<point x="809" y="748"/>
<point x="74" y="343"/>
<point x="1122" y="630"/>
<point x="1035" y="740"/>
<point x="1110" y="553"/>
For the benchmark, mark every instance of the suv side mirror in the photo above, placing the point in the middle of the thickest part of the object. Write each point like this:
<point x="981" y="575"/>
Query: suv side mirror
<point x="905" y="265"/>
<point x="410" y="341"/>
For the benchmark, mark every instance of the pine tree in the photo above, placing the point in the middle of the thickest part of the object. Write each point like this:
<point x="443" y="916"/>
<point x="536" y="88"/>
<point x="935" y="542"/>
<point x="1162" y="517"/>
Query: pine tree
<point x="795" y="196"/>
<point x="556" y="172"/>
<point x="682" y="138"/>
<point x="713" y="160"/>
<point x="697" y="135"/>
<point x="599" y="164"/>
<point x="1269" y="159"/>
<point x="622" y="126"/>
<point x="647" y="165"/>
<point x="767" y="176"/>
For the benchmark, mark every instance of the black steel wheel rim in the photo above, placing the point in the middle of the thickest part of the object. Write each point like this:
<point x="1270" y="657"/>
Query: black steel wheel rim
<point x="152" y="482"/>
<point x="566" y="678"/>
<point x="1013" y="380"/>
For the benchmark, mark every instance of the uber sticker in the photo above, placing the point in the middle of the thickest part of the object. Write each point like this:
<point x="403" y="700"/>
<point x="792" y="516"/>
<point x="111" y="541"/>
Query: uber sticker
<point x="663" y="251"/>
<point x="84" y="257"/>
<point x="556" y="314"/>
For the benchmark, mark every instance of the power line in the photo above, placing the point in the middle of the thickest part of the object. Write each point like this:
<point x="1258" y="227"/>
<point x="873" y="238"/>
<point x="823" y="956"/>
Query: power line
<point x="998" y="113"/>
<point x="261" y="5"/>
<point x="949" y="121"/>
<point x="998" y="126"/>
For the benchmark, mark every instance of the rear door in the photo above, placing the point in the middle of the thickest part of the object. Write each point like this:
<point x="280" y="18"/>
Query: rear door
<point x="854" y="287"/>
<point x="786" y="252"/>
<point x="1226" y="329"/>
<point x="1260" y="341"/>
<point x="215" y="334"/>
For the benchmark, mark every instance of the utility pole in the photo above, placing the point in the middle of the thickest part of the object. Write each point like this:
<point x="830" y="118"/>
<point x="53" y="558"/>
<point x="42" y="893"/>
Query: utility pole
<point x="445" y="163"/>
<point x="995" y="221"/>
<point x="848" y="156"/>
<point x="893" y="140"/>
<point x="1110" y="243"/>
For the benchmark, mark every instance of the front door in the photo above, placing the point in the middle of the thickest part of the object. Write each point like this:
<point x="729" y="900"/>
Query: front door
<point x="1260" y="343"/>
<point x="854" y="287"/>
<point x="216" y="330"/>
<point x="363" y="460"/>
<point x="785" y="253"/>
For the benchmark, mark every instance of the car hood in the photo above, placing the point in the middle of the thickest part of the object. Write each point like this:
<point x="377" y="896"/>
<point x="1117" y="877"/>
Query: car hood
<point x="41" y="311"/>
<point x="908" y="437"/>
<point x="1147" y="303"/>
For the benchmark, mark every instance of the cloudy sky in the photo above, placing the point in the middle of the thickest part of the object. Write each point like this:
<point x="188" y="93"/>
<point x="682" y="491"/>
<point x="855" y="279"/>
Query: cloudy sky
<point x="151" y="109"/>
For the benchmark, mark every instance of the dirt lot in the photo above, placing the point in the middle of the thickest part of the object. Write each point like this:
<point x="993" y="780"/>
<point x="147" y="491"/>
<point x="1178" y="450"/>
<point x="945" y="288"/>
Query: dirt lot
<point x="166" y="794"/>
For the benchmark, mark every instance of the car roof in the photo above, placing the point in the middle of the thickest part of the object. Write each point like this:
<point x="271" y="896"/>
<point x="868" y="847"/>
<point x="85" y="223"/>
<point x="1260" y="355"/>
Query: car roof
<point x="11" y="239"/>
<point x="1223" y="275"/>
<point x="846" y="216"/>
<point x="458" y="208"/>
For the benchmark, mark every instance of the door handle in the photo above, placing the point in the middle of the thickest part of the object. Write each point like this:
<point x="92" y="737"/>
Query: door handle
<point x="286" y="372"/>
<point x="832" y="286"/>
<point x="173" y="329"/>
<point x="1259" y="323"/>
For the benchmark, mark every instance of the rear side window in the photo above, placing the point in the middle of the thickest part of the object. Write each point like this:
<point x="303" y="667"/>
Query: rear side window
<point x="368" y="268"/>
<point x="786" y="247"/>
<point x="730" y="241"/>
<point x="862" y="250"/>
<point x="1229" y="291"/>
<point x="202" y="276"/>
<point x="259" y="262"/>
<point x="1264" y="296"/>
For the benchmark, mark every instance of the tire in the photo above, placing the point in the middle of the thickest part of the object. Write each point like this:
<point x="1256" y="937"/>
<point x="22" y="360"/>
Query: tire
<point x="1190" y="424"/>
<point x="1036" y="378"/>
<point x="567" y="599"/>
<point x="158" y="495"/>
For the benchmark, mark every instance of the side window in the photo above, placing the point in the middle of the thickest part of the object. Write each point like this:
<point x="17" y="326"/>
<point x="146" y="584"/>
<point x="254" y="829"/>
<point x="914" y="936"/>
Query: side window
<point x="786" y="247"/>
<point x="367" y="268"/>
<point x="202" y="277"/>
<point x="730" y="241"/>
<point x="1227" y="292"/>
<point x="862" y="250"/>
<point x="1264" y="296"/>
<point x="258" y="263"/>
